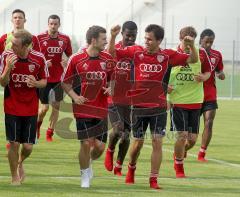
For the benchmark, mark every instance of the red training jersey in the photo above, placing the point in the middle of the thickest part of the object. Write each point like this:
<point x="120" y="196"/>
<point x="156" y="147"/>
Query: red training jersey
<point x="53" y="49"/>
<point x="19" y="99"/>
<point x="150" y="72"/>
<point x="88" y="75"/>
<point x="210" y="90"/>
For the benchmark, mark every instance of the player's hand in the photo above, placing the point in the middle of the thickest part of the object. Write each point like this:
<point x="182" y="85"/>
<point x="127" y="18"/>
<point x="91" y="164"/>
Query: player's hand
<point x="79" y="100"/>
<point x="11" y="60"/>
<point x="200" y="77"/>
<point x="64" y="62"/>
<point x="107" y="91"/>
<point x="220" y="75"/>
<point x="115" y="30"/>
<point x="188" y="41"/>
<point x="31" y="81"/>
<point x="170" y="89"/>
<point x="49" y="63"/>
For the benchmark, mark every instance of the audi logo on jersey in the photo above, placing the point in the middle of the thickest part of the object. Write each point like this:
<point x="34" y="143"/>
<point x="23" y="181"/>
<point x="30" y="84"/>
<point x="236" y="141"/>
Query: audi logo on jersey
<point x="95" y="75"/>
<point x="19" y="78"/>
<point x="185" y="77"/>
<point x="152" y="68"/>
<point x="54" y="50"/>
<point x="123" y="65"/>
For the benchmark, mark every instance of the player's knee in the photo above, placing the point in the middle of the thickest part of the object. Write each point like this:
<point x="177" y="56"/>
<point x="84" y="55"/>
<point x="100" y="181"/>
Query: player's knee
<point x="14" y="146"/>
<point x="43" y="110"/>
<point x="28" y="147"/>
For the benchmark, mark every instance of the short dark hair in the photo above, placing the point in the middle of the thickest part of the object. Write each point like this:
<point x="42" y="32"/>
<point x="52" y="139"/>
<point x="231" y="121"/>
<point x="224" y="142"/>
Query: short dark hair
<point x="93" y="32"/>
<point x="207" y="32"/>
<point x="18" y="11"/>
<point x="24" y="35"/>
<point x="54" y="16"/>
<point x="129" y="25"/>
<point x="188" y="31"/>
<point x="157" y="30"/>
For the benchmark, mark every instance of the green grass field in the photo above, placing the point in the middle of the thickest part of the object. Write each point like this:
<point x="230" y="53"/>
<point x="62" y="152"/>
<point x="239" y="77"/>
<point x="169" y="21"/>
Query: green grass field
<point x="53" y="170"/>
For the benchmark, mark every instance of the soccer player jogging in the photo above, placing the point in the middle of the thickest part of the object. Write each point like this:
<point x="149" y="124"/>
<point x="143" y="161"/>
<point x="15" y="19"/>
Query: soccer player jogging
<point x="149" y="108"/>
<point x="86" y="82"/>
<point x="186" y="98"/>
<point x="53" y="44"/>
<point x="23" y="71"/>
<point x="210" y="92"/>
<point x="119" y="108"/>
<point x="18" y="20"/>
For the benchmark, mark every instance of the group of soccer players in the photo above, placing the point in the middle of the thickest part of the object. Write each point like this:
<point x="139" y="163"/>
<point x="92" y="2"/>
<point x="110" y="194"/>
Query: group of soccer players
<point x="132" y="84"/>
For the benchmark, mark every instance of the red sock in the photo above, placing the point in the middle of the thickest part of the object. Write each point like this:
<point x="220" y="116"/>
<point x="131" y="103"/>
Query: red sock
<point x="153" y="181"/>
<point x="118" y="168"/>
<point x="130" y="174"/>
<point x="108" y="162"/>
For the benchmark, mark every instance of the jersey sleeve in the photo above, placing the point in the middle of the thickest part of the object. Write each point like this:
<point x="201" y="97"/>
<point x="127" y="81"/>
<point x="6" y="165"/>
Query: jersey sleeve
<point x="35" y="44"/>
<point x="220" y="66"/>
<point x="43" y="72"/>
<point x="176" y="58"/>
<point x="127" y="52"/>
<point x="68" y="50"/>
<point x="69" y="72"/>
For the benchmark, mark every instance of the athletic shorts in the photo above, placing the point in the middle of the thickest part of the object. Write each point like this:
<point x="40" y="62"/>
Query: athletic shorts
<point x="209" y="105"/>
<point x="185" y="119"/>
<point x="120" y="114"/>
<point x="21" y="129"/>
<point x="53" y="92"/>
<point x="156" y="118"/>
<point x="92" y="127"/>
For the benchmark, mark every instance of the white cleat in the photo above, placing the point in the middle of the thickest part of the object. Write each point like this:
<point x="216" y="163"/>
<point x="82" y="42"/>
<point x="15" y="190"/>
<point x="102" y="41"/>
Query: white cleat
<point x="85" y="179"/>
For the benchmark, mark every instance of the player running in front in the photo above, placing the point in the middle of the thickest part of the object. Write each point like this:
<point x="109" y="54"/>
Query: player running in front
<point x="86" y="80"/>
<point x="149" y="96"/>
<point x="23" y="71"/>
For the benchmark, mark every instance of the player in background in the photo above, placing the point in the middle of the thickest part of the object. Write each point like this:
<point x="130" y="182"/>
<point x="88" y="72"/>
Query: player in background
<point x="86" y="82"/>
<point x="210" y="91"/>
<point x="150" y="65"/>
<point x="18" y="20"/>
<point x="186" y="99"/>
<point x="53" y="45"/>
<point x="23" y="71"/>
<point x="120" y="112"/>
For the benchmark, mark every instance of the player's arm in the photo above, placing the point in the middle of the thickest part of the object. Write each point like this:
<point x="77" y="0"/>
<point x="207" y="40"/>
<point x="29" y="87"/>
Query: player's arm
<point x="32" y="82"/>
<point x="111" y="45"/>
<point x="219" y="70"/>
<point x="189" y="42"/>
<point x="8" y="65"/>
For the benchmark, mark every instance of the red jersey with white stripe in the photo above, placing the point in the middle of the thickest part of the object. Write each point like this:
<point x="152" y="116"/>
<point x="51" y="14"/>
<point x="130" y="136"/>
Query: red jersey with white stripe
<point x="5" y="43"/>
<point x="53" y="49"/>
<point x="206" y="67"/>
<point x="19" y="99"/>
<point x="122" y="77"/>
<point x="150" y="71"/>
<point x="88" y="75"/>
<point x="210" y="90"/>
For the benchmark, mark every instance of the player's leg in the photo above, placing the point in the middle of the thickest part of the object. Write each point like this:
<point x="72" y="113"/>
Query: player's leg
<point x="158" y="130"/>
<point x="180" y="124"/>
<point x="208" y="116"/>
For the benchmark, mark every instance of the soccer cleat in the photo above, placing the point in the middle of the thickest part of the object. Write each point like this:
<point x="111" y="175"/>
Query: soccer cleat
<point x="201" y="157"/>
<point x="153" y="183"/>
<point x="108" y="162"/>
<point x="130" y="175"/>
<point x="117" y="171"/>
<point x="49" y="135"/>
<point x="85" y="179"/>
<point x="179" y="170"/>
